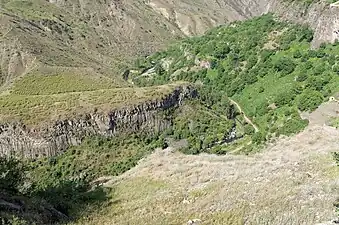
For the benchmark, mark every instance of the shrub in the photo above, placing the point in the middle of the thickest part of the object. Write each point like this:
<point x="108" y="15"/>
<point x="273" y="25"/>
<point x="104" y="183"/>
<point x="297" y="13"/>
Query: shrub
<point x="284" y="65"/>
<point x="12" y="174"/>
<point x="248" y="129"/>
<point x="310" y="100"/>
<point x="258" y="138"/>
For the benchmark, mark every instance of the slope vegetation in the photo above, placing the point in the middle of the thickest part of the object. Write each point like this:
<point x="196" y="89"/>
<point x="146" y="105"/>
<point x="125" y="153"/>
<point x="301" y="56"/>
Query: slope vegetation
<point x="292" y="182"/>
<point x="266" y="66"/>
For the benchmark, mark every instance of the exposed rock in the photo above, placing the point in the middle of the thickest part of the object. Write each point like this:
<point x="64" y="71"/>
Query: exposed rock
<point x="49" y="140"/>
<point x="194" y="222"/>
<point x="322" y="17"/>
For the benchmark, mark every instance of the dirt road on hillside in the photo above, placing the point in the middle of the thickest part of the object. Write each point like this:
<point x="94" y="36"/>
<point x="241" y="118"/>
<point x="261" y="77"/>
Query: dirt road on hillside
<point x="248" y="120"/>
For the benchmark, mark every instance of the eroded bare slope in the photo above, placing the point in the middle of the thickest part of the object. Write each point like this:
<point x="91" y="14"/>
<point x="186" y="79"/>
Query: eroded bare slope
<point x="106" y="35"/>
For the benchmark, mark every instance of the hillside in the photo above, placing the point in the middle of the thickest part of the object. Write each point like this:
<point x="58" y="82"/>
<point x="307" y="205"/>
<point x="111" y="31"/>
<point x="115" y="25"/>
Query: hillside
<point x="265" y="66"/>
<point x="293" y="181"/>
<point x="57" y="33"/>
<point x="237" y="102"/>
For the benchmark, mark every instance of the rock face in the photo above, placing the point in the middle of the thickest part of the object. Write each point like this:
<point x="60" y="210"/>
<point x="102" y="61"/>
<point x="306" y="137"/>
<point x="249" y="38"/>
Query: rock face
<point x="16" y="139"/>
<point x="322" y="17"/>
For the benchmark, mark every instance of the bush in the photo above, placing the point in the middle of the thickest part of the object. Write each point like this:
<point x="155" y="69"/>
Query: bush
<point x="248" y="129"/>
<point x="12" y="174"/>
<point x="284" y="65"/>
<point x="310" y="100"/>
<point x="258" y="138"/>
<point x="285" y="98"/>
<point x="293" y="126"/>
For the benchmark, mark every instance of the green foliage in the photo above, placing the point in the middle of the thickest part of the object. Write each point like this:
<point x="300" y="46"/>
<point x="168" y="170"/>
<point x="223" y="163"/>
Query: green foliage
<point x="62" y="194"/>
<point x="12" y="174"/>
<point x="334" y="122"/>
<point x="309" y="100"/>
<point x="96" y="157"/>
<point x="336" y="157"/>
<point x="284" y="65"/>
<point x="248" y="129"/>
<point x="14" y="220"/>
<point x="258" y="138"/>
<point x="64" y="181"/>
<point x="293" y="125"/>
<point x="204" y="122"/>
<point x="203" y="128"/>
<point x="265" y="65"/>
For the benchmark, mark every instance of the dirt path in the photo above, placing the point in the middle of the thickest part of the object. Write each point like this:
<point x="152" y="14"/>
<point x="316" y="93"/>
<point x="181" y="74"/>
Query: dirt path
<point x="336" y="4"/>
<point x="248" y="120"/>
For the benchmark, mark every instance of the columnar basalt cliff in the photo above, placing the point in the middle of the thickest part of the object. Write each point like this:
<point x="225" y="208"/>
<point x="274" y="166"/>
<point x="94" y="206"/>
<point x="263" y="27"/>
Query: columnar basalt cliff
<point x="19" y="140"/>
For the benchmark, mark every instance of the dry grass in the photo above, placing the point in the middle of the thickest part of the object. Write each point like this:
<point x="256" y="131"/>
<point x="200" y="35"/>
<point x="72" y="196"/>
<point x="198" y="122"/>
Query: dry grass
<point x="37" y="109"/>
<point x="291" y="182"/>
<point x="72" y="81"/>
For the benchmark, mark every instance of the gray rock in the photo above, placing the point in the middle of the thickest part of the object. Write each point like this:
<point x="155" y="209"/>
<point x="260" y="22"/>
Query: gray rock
<point x="19" y="140"/>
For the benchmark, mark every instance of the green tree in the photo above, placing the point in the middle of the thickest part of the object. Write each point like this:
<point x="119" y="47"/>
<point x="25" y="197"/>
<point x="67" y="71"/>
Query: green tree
<point x="284" y="65"/>
<point x="258" y="138"/>
<point x="12" y="174"/>
<point x="310" y="100"/>
<point x="248" y="129"/>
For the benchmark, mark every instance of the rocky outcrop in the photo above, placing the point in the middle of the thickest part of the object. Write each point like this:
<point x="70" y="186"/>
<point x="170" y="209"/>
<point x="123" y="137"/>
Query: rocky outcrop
<point x="188" y="17"/>
<point x="149" y="117"/>
<point x="322" y="17"/>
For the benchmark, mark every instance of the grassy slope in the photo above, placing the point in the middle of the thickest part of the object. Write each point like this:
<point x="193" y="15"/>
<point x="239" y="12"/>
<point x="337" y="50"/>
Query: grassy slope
<point x="58" y="62"/>
<point x="36" y="109"/>
<point x="292" y="182"/>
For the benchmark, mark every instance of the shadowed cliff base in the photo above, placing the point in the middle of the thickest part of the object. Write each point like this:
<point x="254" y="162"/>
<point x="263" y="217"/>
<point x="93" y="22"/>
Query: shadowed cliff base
<point x="46" y="199"/>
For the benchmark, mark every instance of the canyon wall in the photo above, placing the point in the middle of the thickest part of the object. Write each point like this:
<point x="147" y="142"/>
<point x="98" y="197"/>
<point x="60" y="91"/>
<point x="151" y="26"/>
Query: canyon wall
<point x="18" y="140"/>
<point x="186" y="15"/>
<point x="322" y="17"/>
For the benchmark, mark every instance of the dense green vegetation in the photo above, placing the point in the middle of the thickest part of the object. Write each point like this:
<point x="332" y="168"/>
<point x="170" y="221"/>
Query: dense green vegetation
<point x="205" y="123"/>
<point x="265" y="65"/>
<point x="64" y="181"/>
<point x="96" y="157"/>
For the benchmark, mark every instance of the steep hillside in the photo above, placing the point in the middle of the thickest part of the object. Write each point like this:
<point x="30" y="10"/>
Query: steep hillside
<point x="292" y="182"/>
<point x="234" y="90"/>
<point x="106" y="35"/>
<point x="36" y="34"/>
<point x="266" y="67"/>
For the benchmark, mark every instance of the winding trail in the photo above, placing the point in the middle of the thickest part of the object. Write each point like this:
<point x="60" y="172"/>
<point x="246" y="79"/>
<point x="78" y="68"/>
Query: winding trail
<point x="335" y="4"/>
<point x="248" y="120"/>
